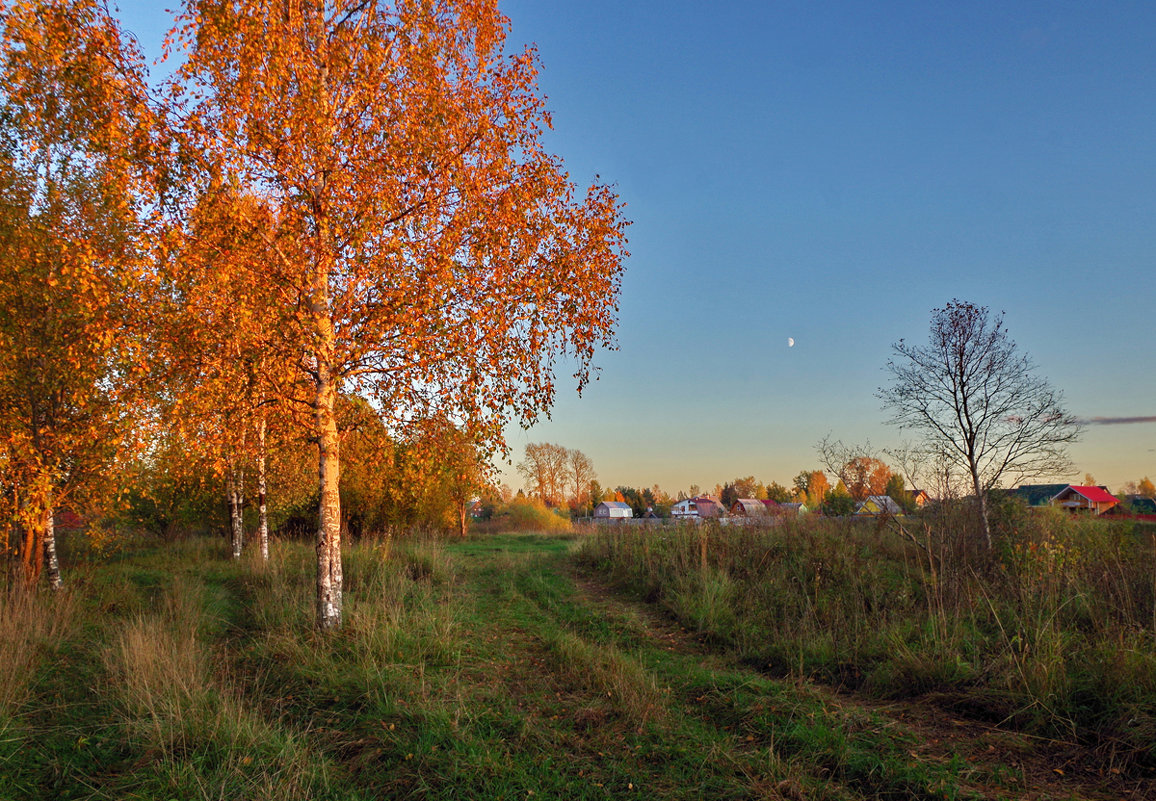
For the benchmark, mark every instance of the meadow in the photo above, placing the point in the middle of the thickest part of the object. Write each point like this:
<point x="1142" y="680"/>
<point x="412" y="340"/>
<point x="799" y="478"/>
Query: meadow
<point x="564" y="665"/>
<point x="1052" y="633"/>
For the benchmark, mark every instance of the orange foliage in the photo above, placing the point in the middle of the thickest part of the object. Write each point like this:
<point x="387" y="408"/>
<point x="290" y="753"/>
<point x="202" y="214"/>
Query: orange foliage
<point x="865" y="476"/>
<point x="426" y="249"/>
<point x="71" y="217"/>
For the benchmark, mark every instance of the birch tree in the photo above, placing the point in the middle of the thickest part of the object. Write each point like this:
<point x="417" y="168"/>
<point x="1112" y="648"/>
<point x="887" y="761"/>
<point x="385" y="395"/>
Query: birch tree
<point x="977" y="400"/>
<point x="227" y="345"/>
<point x="546" y="470"/>
<point x="435" y="257"/>
<point x="579" y="474"/>
<point x="71" y="207"/>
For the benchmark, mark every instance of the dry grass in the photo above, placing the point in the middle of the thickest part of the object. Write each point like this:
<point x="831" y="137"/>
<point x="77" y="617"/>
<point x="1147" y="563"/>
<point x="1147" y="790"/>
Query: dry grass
<point x="31" y="623"/>
<point x="608" y="672"/>
<point x="175" y="697"/>
<point x="1053" y="632"/>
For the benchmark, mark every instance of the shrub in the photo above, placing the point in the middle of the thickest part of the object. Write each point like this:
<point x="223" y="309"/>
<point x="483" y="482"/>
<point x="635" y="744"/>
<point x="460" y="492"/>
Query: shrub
<point x="529" y="514"/>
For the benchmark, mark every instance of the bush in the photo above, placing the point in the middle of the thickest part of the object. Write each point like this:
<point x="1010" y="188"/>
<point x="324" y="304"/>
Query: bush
<point x="529" y="514"/>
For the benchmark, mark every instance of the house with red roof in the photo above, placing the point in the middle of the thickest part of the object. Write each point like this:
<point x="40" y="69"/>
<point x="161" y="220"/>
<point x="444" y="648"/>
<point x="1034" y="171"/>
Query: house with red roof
<point x="697" y="508"/>
<point x="708" y="506"/>
<point x="1089" y="500"/>
<point x="749" y="507"/>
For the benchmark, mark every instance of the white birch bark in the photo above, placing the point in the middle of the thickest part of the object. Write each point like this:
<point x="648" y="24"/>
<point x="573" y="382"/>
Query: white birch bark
<point x="51" y="564"/>
<point x="329" y="578"/>
<point x="235" y="524"/>
<point x="262" y="508"/>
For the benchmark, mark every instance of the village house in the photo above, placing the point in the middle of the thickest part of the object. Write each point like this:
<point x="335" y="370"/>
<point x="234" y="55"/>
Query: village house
<point x="878" y="505"/>
<point x="918" y="497"/>
<point x="748" y="507"/>
<point x="1070" y="497"/>
<point x="709" y="507"/>
<point x="613" y="510"/>
<point x="1037" y="494"/>
<point x="696" y="508"/>
<point x="1091" y="500"/>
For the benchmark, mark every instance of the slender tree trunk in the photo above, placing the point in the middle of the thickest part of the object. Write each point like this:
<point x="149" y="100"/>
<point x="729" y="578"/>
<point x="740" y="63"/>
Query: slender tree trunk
<point x="236" y="524"/>
<point x="262" y="508"/>
<point x="13" y="539"/>
<point x="329" y="578"/>
<point x="51" y="564"/>
<point x="981" y="499"/>
<point x="231" y="500"/>
<point x="5" y="532"/>
<point x="240" y="487"/>
<point x="32" y="550"/>
<point x="462" y="520"/>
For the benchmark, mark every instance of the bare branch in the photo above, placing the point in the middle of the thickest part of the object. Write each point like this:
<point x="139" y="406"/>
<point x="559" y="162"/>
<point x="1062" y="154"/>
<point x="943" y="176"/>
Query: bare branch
<point x="978" y="402"/>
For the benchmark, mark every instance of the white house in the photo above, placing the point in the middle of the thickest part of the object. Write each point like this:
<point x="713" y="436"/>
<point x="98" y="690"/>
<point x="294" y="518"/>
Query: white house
<point x="698" y="507"/>
<point x="613" y="510"/>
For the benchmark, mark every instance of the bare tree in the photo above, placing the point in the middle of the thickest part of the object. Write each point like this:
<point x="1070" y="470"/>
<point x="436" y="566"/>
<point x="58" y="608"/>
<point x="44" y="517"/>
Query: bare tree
<point x="545" y="471"/>
<point x="976" y="399"/>
<point x="579" y="473"/>
<point x="928" y="469"/>
<point x="862" y="472"/>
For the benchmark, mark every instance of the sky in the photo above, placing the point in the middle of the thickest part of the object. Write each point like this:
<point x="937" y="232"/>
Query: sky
<point x="830" y="172"/>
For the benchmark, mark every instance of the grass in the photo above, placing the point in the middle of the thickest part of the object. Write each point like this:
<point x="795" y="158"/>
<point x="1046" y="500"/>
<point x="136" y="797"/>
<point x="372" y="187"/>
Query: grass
<point x="1053" y="634"/>
<point x="486" y="668"/>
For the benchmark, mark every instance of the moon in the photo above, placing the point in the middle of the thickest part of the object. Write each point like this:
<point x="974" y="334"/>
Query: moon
<point x="790" y="342"/>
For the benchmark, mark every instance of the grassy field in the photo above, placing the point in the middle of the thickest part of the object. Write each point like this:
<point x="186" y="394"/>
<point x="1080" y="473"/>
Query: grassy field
<point x="1054" y="634"/>
<point x="497" y="667"/>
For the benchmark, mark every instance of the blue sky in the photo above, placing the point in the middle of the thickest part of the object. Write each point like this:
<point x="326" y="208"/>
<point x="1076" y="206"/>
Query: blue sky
<point x="831" y="172"/>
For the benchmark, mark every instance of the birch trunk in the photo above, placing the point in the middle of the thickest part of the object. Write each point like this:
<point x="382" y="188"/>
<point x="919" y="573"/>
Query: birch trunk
<point x="235" y="523"/>
<point x="329" y="578"/>
<point x="262" y="509"/>
<point x="982" y="496"/>
<point x="51" y="564"/>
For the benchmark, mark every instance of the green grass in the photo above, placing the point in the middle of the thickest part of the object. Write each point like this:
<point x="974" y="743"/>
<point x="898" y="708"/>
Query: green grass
<point x="486" y="668"/>
<point x="1053" y="634"/>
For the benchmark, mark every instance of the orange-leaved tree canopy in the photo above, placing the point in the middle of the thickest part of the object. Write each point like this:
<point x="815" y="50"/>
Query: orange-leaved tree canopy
<point x="72" y="204"/>
<point x="436" y="257"/>
<point x="224" y="341"/>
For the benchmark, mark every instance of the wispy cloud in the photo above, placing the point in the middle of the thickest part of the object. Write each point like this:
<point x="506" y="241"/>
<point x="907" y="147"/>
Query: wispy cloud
<point x="1116" y="421"/>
